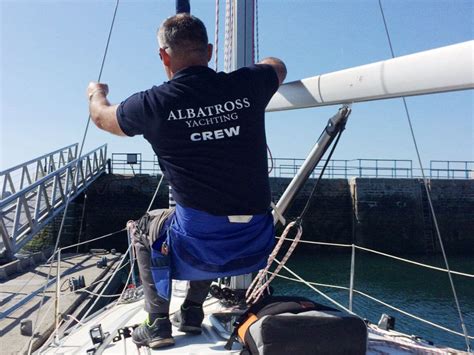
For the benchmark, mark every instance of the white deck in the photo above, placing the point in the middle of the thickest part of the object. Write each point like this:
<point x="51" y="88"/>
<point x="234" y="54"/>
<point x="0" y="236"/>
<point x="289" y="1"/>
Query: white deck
<point x="209" y="342"/>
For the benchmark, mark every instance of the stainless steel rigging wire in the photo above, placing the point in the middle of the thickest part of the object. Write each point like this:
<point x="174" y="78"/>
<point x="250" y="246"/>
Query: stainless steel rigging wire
<point x="30" y="342"/>
<point x="430" y="202"/>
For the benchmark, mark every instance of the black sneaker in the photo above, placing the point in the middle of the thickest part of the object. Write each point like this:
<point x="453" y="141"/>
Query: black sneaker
<point x="189" y="319"/>
<point x="156" y="335"/>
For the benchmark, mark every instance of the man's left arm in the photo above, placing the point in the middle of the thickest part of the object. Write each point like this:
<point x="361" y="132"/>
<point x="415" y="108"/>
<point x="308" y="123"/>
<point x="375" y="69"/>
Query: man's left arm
<point x="102" y="112"/>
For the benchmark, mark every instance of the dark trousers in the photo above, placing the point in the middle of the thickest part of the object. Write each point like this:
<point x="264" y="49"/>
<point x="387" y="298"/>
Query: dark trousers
<point x="197" y="291"/>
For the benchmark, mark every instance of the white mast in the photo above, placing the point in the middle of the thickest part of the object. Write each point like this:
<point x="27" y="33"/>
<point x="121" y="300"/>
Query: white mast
<point x="242" y="43"/>
<point x="242" y="55"/>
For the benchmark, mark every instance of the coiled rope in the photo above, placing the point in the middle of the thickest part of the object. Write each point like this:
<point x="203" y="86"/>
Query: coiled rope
<point x="258" y="285"/>
<point x="228" y="37"/>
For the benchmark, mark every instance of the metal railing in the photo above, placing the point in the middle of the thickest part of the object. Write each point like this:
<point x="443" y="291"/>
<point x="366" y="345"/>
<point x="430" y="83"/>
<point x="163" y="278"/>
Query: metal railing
<point x="377" y="168"/>
<point x="21" y="176"/>
<point x="451" y="169"/>
<point x="125" y="163"/>
<point x="25" y="212"/>
<point x="132" y="163"/>
<point x="374" y="168"/>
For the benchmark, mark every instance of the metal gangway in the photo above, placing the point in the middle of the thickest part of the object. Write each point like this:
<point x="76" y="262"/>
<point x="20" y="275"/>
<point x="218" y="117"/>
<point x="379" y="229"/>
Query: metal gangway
<point x="35" y="192"/>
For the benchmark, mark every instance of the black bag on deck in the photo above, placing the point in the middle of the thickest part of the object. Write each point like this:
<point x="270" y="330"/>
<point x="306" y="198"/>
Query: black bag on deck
<point x="282" y="325"/>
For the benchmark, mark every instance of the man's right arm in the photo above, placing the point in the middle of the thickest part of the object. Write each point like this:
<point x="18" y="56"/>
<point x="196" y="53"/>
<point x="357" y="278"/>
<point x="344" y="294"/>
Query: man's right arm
<point x="278" y="66"/>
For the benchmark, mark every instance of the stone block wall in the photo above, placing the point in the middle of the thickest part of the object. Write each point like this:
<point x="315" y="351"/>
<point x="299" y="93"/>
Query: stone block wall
<point x="453" y="202"/>
<point x="115" y="199"/>
<point x="329" y="217"/>
<point x="388" y="214"/>
<point x="384" y="214"/>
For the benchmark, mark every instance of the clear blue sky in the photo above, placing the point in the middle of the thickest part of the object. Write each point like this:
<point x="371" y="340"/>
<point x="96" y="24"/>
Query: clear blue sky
<point x="50" y="50"/>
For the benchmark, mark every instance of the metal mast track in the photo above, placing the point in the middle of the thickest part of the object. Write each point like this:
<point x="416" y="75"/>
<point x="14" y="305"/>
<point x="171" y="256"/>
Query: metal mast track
<point x="35" y="192"/>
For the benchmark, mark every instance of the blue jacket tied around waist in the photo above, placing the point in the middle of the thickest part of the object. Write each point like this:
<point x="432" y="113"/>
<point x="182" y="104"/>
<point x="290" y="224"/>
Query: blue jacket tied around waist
<point x="203" y="246"/>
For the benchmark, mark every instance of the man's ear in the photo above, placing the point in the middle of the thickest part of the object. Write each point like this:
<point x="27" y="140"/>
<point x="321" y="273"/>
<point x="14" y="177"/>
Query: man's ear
<point x="165" y="57"/>
<point x="209" y="52"/>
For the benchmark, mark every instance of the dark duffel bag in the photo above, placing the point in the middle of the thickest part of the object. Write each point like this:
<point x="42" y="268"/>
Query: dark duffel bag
<point x="282" y="325"/>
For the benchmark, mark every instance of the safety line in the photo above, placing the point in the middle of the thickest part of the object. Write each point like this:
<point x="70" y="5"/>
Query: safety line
<point x="411" y="315"/>
<point x="79" y="322"/>
<point x="414" y="262"/>
<point x="128" y="251"/>
<point x="375" y="300"/>
<point x="82" y="220"/>
<point x="315" y="289"/>
<point x="75" y="175"/>
<point x="383" y="254"/>
<point x="93" y="239"/>
<point x="425" y="183"/>
<point x="64" y="293"/>
<point x="154" y="195"/>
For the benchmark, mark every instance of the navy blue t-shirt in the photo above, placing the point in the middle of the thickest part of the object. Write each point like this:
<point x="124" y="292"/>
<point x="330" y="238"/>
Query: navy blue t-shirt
<point x="208" y="131"/>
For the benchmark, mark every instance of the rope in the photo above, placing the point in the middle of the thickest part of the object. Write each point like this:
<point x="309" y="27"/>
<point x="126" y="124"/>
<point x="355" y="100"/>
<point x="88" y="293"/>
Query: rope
<point x="216" y="38"/>
<point x="312" y="283"/>
<point x="27" y="345"/>
<point x="105" y="287"/>
<point x="93" y="239"/>
<point x="415" y="262"/>
<point x="119" y="267"/>
<point x="74" y="318"/>
<point x="256" y="44"/>
<point x="86" y="287"/>
<point x="154" y="195"/>
<point x="99" y="295"/>
<point x="79" y="322"/>
<point x="375" y="300"/>
<point x="228" y="37"/>
<point x="50" y="259"/>
<point x="315" y="289"/>
<point x="410" y="315"/>
<point x="323" y="243"/>
<point x="383" y="254"/>
<point x="316" y="184"/>
<point x="30" y="342"/>
<point x="271" y="160"/>
<point x="82" y="220"/>
<point x="425" y="183"/>
<point x="83" y="319"/>
<point x="254" y="292"/>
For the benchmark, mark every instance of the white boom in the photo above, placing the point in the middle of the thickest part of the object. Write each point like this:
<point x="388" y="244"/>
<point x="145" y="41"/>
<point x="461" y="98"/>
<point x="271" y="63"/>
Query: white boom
<point x="442" y="69"/>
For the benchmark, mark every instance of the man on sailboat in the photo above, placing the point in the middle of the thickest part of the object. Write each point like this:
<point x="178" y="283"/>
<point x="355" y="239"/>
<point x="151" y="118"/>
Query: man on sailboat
<point x="208" y="132"/>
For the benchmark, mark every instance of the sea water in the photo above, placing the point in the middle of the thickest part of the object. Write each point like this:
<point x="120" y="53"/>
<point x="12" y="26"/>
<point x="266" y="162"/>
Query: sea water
<point x="422" y="292"/>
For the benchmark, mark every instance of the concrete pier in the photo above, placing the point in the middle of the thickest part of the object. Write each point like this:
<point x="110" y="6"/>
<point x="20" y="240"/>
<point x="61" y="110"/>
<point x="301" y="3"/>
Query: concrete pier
<point x="21" y="294"/>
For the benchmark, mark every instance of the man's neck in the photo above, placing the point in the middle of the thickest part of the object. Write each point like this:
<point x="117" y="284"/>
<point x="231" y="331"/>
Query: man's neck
<point x="176" y="67"/>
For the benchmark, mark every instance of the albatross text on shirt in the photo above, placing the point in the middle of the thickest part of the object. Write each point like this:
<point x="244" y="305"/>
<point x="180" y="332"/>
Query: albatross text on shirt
<point x="210" y="115"/>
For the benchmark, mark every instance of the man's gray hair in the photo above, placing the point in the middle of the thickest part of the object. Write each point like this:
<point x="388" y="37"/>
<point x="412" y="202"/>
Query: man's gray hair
<point x="183" y="33"/>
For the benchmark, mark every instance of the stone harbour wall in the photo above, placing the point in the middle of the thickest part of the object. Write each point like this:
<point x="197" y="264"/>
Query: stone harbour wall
<point x="390" y="215"/>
